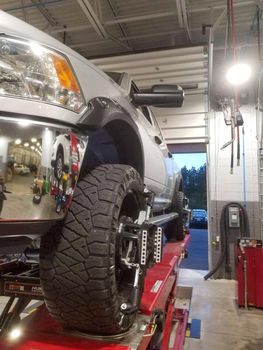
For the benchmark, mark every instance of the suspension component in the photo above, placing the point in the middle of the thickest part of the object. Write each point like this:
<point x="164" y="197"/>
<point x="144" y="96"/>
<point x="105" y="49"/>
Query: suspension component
<point x="141" y="247"/>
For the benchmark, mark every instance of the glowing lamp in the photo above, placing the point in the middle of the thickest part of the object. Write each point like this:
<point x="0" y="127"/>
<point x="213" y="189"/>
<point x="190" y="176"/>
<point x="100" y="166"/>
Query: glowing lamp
<point x="238" y="74"/>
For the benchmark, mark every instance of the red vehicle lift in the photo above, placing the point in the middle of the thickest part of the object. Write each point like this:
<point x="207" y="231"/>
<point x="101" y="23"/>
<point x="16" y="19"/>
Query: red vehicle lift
<point x="161" y="322"/>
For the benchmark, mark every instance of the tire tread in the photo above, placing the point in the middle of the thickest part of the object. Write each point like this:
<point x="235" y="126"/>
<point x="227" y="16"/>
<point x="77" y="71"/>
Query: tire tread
<point x="77" y="259"/>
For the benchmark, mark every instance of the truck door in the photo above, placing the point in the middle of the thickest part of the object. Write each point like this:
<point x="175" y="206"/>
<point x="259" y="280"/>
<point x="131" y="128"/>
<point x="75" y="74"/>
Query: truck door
<point x="154" y="150"/>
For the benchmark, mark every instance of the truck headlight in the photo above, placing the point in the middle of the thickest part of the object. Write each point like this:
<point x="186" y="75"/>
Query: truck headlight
<point x="32" y="71"/>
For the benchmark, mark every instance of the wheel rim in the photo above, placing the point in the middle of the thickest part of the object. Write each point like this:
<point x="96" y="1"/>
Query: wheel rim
<point x="59" y="167"/>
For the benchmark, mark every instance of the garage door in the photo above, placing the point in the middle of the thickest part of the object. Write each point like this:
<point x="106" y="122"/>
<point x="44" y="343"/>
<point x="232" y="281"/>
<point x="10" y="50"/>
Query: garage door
<point x="187" y="67"/>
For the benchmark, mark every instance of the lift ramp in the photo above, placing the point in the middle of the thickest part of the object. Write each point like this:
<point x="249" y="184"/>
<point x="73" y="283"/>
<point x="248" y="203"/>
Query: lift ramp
<point x="160" y="324"/>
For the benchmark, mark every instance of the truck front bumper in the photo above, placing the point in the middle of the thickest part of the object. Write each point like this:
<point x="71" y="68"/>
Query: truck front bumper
<point x="40" y="198"/>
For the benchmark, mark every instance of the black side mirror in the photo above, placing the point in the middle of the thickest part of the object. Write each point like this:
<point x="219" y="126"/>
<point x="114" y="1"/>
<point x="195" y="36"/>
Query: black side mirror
<point x="166" y="96"/>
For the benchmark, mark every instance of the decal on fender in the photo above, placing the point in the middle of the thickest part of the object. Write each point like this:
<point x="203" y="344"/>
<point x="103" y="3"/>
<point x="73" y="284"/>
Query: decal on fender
<point x="156" y="286"/>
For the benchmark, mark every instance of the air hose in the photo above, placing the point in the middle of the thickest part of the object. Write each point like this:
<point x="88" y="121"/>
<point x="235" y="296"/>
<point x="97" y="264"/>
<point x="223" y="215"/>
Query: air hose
<point x="224" y="231"/>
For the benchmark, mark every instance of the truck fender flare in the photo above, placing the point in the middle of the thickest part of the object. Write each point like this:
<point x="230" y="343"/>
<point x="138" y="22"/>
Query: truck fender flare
<point x="102" y="112"/>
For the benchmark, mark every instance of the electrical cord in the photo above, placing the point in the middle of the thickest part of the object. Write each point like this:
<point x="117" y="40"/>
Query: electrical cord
<point x="224" y="231"/>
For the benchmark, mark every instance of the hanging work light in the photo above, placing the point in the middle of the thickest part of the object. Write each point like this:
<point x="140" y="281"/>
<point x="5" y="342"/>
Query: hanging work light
<point x="238" y="74"/>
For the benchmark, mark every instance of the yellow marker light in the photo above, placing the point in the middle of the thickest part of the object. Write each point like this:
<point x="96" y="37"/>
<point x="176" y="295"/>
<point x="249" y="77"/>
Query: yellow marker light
<point x="65" y="74"/>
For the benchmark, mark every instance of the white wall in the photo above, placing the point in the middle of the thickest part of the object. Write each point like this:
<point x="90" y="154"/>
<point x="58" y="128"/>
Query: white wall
<point x="222" y="185"/>
<point x="4" y="142"/>
<point x="47" y="140"/>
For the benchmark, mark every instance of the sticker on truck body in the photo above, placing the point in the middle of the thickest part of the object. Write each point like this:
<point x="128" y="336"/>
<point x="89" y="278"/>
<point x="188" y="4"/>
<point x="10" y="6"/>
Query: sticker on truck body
<point x="156" y="286"/>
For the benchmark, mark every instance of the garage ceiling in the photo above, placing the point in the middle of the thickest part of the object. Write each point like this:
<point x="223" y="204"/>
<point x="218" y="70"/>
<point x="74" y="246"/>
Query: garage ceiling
<point x="115" y="33"/>
<point x="107" y="27"/>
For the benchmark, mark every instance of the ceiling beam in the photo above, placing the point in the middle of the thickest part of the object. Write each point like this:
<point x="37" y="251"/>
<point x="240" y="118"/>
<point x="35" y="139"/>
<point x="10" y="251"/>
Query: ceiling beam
<point x="31" y="6"/>
<point x="69" y="29"/>
<point x="179" y="13"/>
<point x="183" y="18"/>
<point x="44" y="12"/>
<point x="98" y="26"/>
<point x="98" y="9"/>
<point x="119" y="20"/>
<point x="127" y="19"/>
<point x="121" y="26"/>
<point x="219" y="19"/>
<point x="142" y="36"/>
<point x="93" y="18"/>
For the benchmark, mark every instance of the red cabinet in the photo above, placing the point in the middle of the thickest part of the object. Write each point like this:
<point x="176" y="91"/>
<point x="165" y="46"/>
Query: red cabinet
<point x="249" y="264"/>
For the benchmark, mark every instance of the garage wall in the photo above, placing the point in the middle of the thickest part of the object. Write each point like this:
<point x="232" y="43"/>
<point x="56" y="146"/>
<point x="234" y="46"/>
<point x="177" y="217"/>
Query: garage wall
<point x="187" y="67"/>
<point x="187" y="124"/>
<point x="240" y="186"/>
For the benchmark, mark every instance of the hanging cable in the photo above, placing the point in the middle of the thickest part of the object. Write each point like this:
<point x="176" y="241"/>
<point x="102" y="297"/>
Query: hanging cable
<point x="225" y="240"/>
<point x="233" y="38"/>
<point x="232" y="46"/>
<point x="232" y="150"/>
<point x="244" y="169"/>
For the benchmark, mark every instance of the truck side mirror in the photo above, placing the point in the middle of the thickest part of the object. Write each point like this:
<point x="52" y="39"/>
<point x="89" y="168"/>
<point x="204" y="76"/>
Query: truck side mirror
<point x="162" y="96"/>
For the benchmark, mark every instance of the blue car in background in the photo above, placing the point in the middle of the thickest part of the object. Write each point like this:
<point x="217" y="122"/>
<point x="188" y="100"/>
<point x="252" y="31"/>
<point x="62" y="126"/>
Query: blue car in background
<point x="198" y="218"/>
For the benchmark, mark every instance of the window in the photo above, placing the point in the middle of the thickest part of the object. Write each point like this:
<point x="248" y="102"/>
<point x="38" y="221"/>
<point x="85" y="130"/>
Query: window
<point x="115" y="76"/>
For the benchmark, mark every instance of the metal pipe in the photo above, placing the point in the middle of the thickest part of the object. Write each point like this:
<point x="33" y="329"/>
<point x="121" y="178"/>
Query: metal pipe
<point x="93" y="18"/>
<point x="185" y="21"/>
<point x="5" y="312"/>
<point x="210" y="65"/>
<point x="232" y="149"/>
<point x="244" y="168"/>
<point x="162" y="219"/>
<point x="260" y="111"/>
<point x="187" y="138"/>
<point x="184" y="127"/>
<point x="179" y="13"/>
<point x="245" y="281"/>
<point x="243" y="255"/>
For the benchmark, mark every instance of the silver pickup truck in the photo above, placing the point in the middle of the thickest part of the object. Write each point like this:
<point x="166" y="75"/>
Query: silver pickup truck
<point x="96" y="154"/>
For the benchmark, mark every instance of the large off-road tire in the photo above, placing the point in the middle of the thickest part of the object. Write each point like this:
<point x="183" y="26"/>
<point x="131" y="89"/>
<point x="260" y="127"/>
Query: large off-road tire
<point x="59" y="165"/>
<point x="81" y="275"/>
<point x="174" y="231"/>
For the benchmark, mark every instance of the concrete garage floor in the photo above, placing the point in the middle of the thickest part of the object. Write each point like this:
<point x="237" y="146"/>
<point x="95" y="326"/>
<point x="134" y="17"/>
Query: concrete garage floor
<point x="197" y="250"/>
<point x="19" y="203"/>
<point x="223" y="325"/>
